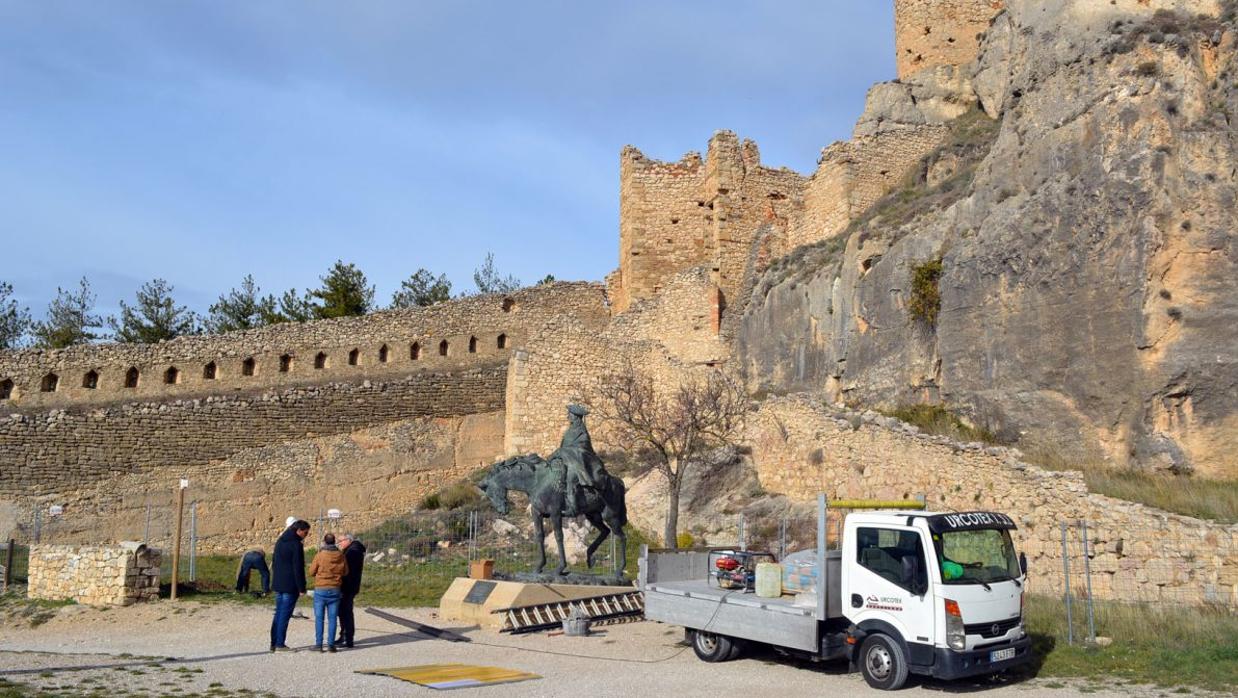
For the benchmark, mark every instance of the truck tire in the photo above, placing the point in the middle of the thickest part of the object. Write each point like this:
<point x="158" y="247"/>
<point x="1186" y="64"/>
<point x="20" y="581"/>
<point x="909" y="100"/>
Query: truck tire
<point x="738" y="648"/>
<point x="711" y="647"/>
<point x="883" y="662"/>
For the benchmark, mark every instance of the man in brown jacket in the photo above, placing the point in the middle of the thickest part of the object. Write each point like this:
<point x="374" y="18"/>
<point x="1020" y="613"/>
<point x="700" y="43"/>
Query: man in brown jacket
<point x="328" y="569"/>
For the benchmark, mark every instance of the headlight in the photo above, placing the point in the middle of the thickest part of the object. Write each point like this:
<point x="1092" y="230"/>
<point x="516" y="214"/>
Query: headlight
<point x="956" y="637"/>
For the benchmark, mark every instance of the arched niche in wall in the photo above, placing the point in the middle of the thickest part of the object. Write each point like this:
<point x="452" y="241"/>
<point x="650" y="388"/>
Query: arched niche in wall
<point x="49" y="383"/>
<point x="6" y="389"/>
<point x="249" y="367"/>
<point x="472" y="345"/>
<point x="172" y="376"/>
<point x="132" y="376"/>
<point x="501" y="341"/>
<point x="414" y="351"/>
<point x="383" y="354"/>
<point x="285" y="363"/>
<point x="90" y="380"/>
<point x="320" y="360"/>
<point x="354" y="357"/>
<point x="208" y="371"/>
<point x="442" y="348"/>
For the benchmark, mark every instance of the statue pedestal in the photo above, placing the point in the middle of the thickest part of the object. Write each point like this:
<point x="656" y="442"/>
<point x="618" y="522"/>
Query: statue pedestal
<point x="475" y="600"/>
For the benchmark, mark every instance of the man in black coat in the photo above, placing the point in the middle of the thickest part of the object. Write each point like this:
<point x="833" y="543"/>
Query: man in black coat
<point x="354" y="555"/>
<point x="288" y="563"/>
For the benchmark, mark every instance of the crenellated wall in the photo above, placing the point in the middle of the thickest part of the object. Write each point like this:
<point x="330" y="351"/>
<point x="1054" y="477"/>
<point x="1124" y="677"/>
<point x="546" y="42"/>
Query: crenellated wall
<point x="386" y="345"/>
<point x="675" y="216"/>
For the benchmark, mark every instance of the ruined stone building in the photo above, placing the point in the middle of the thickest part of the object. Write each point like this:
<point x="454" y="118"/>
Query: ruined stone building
<point x="1079" y="226"/>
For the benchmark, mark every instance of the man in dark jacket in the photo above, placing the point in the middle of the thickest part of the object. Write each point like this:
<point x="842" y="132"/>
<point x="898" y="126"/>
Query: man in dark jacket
<point x="288" y="563"/>
<point x="354" y="555"/>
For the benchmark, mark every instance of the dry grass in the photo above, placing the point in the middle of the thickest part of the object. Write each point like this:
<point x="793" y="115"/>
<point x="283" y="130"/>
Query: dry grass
<point x="1216" y="500"/>
<point x="935" y="419"/>
<point x="1163" y="645"/>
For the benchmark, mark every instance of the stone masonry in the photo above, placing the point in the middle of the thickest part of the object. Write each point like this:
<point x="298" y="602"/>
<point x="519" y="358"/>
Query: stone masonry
<point x="98" y="575"/>
<point x="801" y="447"/>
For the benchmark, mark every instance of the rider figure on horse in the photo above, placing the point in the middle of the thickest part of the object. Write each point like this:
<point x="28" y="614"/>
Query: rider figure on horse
<point x="581" y="464"/>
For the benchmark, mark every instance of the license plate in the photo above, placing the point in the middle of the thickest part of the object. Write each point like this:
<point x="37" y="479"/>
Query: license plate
<point x="1001" y="655"/>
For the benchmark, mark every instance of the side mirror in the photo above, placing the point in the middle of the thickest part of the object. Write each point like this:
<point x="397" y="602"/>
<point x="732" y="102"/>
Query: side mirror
<point x="1023" y="563"/>
<point x="911" y="575"/>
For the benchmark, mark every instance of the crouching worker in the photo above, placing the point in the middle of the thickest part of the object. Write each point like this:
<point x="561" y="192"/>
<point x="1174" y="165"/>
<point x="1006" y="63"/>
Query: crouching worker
<point x="255" y="559"/>
<point x="328" y="568"/>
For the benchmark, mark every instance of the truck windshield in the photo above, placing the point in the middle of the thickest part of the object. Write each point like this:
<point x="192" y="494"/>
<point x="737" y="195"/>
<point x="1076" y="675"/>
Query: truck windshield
<point x="975" y="557"/>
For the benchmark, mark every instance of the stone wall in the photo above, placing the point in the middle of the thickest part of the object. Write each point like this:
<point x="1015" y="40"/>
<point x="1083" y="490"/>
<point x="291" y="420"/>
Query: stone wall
<point x="464" y="333"/>
<point x="855" y="174"/>
<point x="674" y="216"/>
<point x="55" y="450"/>
<point x="667" y="334"/>
<point x="370" y="475"/>
<point x="801" y="448"/>
<point x="99" y="575"/>
<point x="939" y="32"/>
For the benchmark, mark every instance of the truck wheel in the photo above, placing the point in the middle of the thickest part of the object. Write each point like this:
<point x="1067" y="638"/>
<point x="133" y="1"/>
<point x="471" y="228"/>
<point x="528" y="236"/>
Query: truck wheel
<point x="711" y="647"/>
<point x="883" y="662"/>
<point x="738" y="648"/>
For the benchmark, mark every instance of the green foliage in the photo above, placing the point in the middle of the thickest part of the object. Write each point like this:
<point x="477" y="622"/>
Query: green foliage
<point x="925" y="301"/>
<point x="70" y="319"/>
<point x="936" y="419"/>
<point x="684" y="540"/>
<point x="1182" y="494"/>
<point x="294" y="307"/>
<point x="488" y="279"/>
<point x="458" y="495"/>
<point x="548" y="279"/>
<point x="241" y="308"/>
<point x="344" y="292"/>
<point x="1162" y="645"/>
<point x="155" y="318"/>
<point x="14" y="321"/>
<point x="422" y="289"/>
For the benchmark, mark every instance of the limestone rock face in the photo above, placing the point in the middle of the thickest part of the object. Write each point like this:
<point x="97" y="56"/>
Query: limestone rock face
<point x="1089" y="289"/>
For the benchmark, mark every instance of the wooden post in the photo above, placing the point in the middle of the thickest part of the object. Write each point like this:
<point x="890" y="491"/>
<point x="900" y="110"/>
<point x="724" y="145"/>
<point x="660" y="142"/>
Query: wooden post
<point x="176" y="545"/>
<point x="8" y="565"/>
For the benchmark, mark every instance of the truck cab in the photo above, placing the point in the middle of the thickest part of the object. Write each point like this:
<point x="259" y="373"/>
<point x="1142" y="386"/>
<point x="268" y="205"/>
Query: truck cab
<point x="906" y="592"/>
<point x="939" y="594"/>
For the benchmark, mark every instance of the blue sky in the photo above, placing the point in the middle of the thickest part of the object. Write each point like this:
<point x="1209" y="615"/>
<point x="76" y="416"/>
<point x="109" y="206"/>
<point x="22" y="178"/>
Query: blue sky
<point x="202" y="141"/>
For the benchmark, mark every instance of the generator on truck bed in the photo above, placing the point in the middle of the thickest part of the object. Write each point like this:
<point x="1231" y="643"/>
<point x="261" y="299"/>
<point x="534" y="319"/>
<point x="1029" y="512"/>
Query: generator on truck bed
<point x="906" y="592"/>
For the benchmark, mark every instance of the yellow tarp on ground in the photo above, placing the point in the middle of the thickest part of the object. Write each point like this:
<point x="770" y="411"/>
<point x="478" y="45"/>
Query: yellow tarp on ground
<point x="443" y="676"/>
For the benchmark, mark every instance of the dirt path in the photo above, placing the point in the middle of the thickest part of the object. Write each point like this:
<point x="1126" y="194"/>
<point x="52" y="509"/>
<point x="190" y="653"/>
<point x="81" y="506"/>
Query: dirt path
<point x="166" y="649"/>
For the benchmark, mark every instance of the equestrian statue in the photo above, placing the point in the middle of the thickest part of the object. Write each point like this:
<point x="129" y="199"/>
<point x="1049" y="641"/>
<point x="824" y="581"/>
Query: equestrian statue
<point x="572" y="482"/>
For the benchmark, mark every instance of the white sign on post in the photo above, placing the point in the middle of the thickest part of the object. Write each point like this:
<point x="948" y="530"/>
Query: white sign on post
<point x="184" y="483"/>
<point x="55" y="510"/>
<point x="333" y="514"/>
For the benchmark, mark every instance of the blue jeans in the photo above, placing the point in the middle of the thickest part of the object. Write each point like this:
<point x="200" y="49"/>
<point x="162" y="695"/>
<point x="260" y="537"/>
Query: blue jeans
<point x="284" y="604"/>
<point x="325" y="600"/>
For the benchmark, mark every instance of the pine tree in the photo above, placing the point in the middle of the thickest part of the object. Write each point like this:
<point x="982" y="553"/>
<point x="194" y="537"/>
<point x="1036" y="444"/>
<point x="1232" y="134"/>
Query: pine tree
<point x="422" y="289"/>
<point x="241" y="308"/>
<point x="294" y="307"/>
<point x="70" y="319"/>
<point x="488" y="279"/>
<point x="154" y="318"/>
<point x="14" y="320"/>
<point x="344" y="292"/>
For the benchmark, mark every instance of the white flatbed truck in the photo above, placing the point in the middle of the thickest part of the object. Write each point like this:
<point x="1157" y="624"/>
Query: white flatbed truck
<point x="909" y="592"/>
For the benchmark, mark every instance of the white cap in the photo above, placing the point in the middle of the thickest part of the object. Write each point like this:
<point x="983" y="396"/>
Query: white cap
<point x="291" y="520"/>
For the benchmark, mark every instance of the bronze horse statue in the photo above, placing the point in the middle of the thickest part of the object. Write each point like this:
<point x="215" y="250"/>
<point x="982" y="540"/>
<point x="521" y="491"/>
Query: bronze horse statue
<point x="546" y="482"/>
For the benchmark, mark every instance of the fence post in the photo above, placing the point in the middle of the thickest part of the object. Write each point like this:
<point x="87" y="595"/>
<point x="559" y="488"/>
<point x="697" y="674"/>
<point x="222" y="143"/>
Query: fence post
<point x="614" y="556"/>
<point x="8" y="564"/>
<point x="743" y="534"/>
<point x="782" y="538"/>
<point x="193" y="541"/>
<point x="1070" y="628"/>
<point x="176" y="545"/>
<point x="146" y="531"/>
<point x="38" y="525"/>
<point x="1087" y="575"/>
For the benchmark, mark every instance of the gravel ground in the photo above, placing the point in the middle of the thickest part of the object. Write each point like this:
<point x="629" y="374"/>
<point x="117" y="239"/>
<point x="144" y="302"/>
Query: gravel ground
<point x="184" y="648"/>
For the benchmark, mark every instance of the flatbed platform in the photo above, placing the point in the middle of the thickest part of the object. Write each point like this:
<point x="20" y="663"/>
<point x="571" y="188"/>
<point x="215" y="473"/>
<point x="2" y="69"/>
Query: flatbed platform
<point x="705" y="591"/>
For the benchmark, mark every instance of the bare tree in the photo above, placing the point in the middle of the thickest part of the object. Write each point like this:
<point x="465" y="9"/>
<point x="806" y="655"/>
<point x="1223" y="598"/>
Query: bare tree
<point x="676" y="427"/>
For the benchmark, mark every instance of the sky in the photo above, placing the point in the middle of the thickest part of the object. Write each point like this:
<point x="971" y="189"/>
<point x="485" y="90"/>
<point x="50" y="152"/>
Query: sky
<point x="202" y="141"/>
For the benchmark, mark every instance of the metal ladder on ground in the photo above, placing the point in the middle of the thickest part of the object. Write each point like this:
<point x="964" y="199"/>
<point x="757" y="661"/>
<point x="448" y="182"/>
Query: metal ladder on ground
<point x="601" y="610"/>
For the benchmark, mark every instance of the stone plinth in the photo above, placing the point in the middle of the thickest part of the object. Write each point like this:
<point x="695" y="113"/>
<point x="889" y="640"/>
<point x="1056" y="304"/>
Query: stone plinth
<point x="99" y="575"/>
<point x="476" y="600"/>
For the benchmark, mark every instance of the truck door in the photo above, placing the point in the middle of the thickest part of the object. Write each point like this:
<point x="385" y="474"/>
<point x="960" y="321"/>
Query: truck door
<point x="875" y="588"/>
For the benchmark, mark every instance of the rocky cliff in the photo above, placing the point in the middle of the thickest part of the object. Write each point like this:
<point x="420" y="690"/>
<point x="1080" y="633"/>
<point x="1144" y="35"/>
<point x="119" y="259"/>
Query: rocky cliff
<point x="1063" y="270"/>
